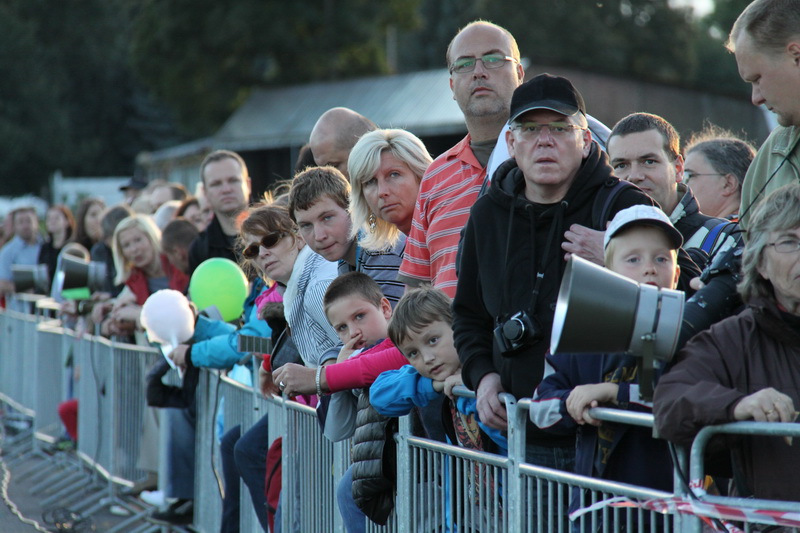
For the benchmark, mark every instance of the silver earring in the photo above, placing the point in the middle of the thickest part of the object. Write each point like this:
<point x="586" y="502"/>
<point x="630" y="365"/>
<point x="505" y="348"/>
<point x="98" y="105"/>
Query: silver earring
<point x="371" y="220"/>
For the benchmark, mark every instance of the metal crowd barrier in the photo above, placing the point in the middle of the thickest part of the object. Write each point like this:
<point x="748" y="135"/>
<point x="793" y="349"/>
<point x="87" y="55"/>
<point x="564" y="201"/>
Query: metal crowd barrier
<point x="751" y="506"/>
<point x="439" y="487"/>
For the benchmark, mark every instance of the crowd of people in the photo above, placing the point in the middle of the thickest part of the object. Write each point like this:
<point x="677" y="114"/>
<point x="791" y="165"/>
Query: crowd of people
<point x="385" y="278"/>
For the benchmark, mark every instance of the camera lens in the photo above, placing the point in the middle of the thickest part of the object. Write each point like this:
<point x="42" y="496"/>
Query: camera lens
<point x="514" y="330"/>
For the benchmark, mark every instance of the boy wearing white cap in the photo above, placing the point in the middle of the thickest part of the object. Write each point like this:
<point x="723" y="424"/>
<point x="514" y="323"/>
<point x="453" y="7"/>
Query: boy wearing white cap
<point x="642" y="244"/>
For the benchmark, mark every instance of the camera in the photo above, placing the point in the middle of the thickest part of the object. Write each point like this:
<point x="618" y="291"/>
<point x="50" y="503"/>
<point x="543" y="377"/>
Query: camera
<point x="718" y="299"/>
<point x="517" y="331"/>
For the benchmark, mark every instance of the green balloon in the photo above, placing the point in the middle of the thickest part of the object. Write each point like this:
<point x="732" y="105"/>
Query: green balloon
<point x="221" y="283"/>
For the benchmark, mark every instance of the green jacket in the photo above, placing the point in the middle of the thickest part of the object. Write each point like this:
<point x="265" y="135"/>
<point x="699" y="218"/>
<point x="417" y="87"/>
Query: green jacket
<point x="779" y="155"/>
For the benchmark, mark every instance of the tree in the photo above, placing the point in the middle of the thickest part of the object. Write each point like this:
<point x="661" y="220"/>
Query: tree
<point x="70" y="101"/>
<point x="204" y="56"/>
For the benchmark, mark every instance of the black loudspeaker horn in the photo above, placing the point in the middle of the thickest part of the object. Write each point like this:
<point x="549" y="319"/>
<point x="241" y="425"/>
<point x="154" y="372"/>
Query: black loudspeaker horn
<point x="599" y="311"/>
<point x="27" y="277"/>
<point x="79" y="273"/>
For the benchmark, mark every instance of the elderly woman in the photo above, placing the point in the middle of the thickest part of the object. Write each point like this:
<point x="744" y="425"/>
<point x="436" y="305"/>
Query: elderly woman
<point x="747" y="367"/>
<point x="385" y="167"/>
<point x="715" y="166"/>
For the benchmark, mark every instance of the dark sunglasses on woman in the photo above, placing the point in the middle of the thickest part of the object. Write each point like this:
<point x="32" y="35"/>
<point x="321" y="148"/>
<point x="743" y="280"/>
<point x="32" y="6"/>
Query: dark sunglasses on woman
<point x="267" y="241"/>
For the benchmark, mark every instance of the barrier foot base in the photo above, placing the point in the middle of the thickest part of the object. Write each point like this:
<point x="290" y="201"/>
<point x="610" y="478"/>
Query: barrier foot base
<point x="65" y="479"/>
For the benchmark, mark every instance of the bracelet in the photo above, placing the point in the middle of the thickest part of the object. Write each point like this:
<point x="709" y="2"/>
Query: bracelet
<point x="319" y="387"/>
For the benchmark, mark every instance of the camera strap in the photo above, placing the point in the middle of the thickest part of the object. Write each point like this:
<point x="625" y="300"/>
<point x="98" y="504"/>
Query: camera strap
<point x="555" y="229"/>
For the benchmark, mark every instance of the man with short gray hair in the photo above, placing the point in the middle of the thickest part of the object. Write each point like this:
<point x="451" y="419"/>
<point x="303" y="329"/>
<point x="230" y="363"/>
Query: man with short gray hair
<point x="512" y="262"/>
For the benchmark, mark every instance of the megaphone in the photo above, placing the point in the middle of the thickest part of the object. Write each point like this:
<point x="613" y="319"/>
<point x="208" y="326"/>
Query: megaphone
<point x="27" y="277"/>
<point x="599" y="311"/>
<point x="76" y="277"/>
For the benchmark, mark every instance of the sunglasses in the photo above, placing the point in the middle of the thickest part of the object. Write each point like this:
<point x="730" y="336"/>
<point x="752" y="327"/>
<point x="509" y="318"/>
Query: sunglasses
<point x="267" y="241"/>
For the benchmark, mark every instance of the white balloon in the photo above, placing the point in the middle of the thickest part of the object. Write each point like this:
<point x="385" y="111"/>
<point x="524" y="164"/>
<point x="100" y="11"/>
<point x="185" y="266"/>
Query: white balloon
<point x="168" y="317"/>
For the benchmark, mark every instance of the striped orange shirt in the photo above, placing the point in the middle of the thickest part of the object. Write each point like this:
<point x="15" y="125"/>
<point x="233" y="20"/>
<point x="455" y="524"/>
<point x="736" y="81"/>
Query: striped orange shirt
<point x="446" y="194"/>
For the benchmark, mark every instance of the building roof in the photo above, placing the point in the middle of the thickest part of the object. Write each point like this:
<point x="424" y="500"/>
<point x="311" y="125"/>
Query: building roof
<point x="420" y="102"/>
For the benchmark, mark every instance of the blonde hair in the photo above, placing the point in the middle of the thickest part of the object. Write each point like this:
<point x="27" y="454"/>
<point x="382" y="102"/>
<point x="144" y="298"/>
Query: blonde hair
<point x="145" y="224"/>
<point x="364" y="161"/>
<point x="608" y="257"/>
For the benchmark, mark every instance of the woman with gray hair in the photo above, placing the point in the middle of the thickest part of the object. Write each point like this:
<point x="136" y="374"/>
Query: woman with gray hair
<point x="385" y="167"/>
<point x="715" y="166"/>
<point x="747" y="367"/>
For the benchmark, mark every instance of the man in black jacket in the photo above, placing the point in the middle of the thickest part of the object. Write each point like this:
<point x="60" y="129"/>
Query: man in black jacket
<point x="227" y="189"/>
<point x="512" y="261"/>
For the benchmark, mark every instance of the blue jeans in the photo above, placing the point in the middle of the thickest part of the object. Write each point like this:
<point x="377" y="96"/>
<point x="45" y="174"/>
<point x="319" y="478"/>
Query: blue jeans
<point x="561" y="458"/>
<point x="180" y="454"/>
<point x="244" y="457"/>
<point x="355" y="521"/>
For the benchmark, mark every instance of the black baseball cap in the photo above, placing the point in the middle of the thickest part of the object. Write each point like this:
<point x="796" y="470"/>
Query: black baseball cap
<point x="546" y="91"/>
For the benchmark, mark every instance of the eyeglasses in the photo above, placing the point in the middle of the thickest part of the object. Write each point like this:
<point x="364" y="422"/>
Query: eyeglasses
<point x="689" y="175"/>
<point x="490" y="61"/>
<point x="532" y="130"/>
<point x="267" y="241"/>
<point x="786" y="246"/>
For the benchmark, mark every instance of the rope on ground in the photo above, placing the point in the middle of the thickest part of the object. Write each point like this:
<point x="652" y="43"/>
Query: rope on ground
<point x="6" y="480"/>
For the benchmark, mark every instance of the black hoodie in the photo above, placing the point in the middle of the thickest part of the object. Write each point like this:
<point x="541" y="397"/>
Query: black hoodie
<point x="505" y="245"/>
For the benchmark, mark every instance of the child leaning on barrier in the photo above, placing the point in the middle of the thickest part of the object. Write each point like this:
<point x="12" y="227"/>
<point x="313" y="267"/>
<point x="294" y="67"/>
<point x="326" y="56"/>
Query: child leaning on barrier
<point x="641" y="244"/>
<point x="359" y="313"/>
<point x="421" y="328"/>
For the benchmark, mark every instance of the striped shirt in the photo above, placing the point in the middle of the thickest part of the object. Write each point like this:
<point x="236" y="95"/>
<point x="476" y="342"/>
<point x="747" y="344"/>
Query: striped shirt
<point x="382" y="266"/>
<point x="449" y="188"/>
<point x="312" y="333"/>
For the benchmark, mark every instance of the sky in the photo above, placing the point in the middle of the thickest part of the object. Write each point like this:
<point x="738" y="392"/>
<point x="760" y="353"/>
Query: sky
<point x="701" y="7"/>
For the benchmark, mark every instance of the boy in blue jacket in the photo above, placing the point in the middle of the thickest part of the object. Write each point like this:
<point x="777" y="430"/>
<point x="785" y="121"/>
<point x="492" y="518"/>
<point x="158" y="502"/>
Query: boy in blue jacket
<point x="421" y="328"/>
<point x="642" y="244"/>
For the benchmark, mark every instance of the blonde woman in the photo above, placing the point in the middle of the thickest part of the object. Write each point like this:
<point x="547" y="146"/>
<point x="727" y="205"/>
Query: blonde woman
<point x="385" y="167"/>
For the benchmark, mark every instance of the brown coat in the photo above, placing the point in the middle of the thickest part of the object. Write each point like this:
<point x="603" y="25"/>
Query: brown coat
<point x="757" y="349"/>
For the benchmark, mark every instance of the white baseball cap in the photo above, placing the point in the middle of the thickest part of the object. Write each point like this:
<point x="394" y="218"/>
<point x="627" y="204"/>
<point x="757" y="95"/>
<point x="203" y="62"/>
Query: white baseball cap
<point x="643" y="214"/>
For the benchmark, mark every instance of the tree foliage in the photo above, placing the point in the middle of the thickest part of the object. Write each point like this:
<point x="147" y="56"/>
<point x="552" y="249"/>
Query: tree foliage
<point x="203" y="56"/>
<point x="69" y="100"/>
<point x="90" y="84"/>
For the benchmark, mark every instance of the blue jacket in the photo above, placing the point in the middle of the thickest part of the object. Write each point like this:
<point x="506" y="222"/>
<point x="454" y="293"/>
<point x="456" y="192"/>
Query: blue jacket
<point x="616" y="452"/>
<point x="215" y="342"/>
<point x="397" y="392"/>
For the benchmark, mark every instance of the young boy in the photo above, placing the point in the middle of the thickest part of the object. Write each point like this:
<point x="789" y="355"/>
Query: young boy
<point x="359" y="313"/>
<point x="318" y="202"/>
<point x="640" y="243"/>
<point x="421" y="328"/>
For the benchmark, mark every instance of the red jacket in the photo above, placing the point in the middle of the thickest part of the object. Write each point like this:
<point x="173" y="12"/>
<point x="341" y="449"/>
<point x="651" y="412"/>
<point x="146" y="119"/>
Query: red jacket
<point x="137" y="281"/>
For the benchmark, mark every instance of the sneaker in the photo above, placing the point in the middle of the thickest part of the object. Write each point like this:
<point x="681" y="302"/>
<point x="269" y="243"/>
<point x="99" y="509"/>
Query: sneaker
<point x="180" y="513"/>
<point x="156" y="498"/>
<point x="61" y="445"/>
<point x="148" y="483"/>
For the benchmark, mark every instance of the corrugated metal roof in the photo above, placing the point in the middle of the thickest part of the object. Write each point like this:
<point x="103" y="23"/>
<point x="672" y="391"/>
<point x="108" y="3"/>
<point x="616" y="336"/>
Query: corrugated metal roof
<point x="420" y="102"/>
